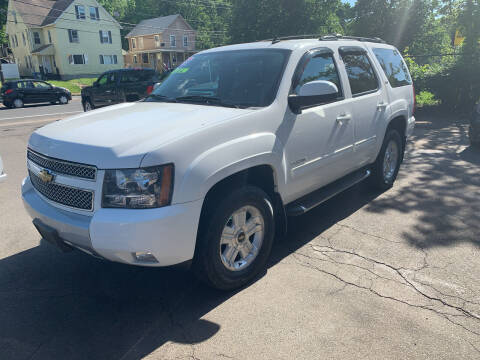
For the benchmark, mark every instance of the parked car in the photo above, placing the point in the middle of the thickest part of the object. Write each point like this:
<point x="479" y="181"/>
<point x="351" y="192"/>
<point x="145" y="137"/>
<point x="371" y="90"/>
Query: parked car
<point x="19" y="92"/>
<point x="210" y="180"/>
<point x="3" y="176"/>
<point x="118" y="86"/>
<point x="474" y="128"/>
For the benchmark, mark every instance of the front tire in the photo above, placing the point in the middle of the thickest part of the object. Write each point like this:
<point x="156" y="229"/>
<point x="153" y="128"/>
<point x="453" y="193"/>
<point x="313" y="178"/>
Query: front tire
<point x="236" y="239"/>
<point x="87" y="105"/>
<point x="63" y="100"/>
<point x="385" y="169"/>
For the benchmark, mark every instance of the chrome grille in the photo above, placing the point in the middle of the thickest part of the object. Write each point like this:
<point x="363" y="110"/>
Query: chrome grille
<point x="63" y="167"/>
<point x="72" y="197"/>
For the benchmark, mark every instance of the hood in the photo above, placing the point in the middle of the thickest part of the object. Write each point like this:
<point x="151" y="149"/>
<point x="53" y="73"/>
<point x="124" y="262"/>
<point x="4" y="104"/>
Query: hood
<point x="62" y="88"/>
<point x="120" y="136"/>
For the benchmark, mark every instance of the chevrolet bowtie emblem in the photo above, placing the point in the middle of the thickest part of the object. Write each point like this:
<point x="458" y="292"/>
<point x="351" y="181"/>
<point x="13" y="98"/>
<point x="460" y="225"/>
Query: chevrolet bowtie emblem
<point x="46" y="176"/>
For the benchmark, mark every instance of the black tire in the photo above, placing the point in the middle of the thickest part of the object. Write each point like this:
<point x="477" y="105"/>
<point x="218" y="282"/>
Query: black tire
<point x="379" y="179"/>
<point x="88" y="103"/>
<point x="63" y="100"/>
<point x="471" y="136"/>
<point x="17" y="103"/>
<point x="207" y="264"/>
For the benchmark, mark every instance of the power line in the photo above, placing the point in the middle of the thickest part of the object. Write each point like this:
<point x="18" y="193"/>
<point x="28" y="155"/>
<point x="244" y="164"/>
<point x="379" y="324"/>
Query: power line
<point x="158" y="29"/>
<point x="106" y="20"/>
<point x="57" y="27"/>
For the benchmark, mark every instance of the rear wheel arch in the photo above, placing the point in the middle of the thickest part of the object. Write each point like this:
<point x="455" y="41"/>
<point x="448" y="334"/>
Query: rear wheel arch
<point x="399" y="123"/>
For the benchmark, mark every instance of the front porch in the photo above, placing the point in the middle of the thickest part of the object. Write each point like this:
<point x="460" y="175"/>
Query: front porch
<point x="44" y="65"/>
<point x="159" y="60"/>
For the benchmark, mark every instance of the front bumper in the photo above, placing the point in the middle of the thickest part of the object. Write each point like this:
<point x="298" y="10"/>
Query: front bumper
<point x="168" y="233"/>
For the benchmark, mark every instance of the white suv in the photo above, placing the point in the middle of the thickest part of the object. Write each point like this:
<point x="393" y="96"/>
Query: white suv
<point x="207" y="169"/>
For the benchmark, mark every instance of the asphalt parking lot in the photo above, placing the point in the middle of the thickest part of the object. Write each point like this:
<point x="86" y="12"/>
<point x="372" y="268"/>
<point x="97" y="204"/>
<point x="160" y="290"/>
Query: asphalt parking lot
<point x="366" y="275"/>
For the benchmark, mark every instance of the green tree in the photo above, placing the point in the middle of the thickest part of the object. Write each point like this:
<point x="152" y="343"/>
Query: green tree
<point x="256" y="20"/>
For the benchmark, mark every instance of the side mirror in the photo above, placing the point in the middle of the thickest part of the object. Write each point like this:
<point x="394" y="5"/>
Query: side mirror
<point x="156" y="85"/>
<point x="312" y="93"/>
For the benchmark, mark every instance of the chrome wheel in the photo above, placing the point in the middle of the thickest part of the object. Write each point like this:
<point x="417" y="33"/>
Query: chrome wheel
<point x="63" y="100"/>
<point x="390" y="161"/>
<point x="242" y="238"/>
<point x="88" y="106"/>
<point x="18" y="103"/>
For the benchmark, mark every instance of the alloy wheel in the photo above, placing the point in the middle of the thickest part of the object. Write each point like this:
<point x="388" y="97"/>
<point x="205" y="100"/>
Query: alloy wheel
<point x="242" y="238"/>
<point x="390" y="161"/>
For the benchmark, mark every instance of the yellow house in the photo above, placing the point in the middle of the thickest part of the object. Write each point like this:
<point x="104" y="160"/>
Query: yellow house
<point x="63" y="38"/>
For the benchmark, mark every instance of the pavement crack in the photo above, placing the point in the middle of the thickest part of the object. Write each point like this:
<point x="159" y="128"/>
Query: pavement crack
<point x="328" y="251"/>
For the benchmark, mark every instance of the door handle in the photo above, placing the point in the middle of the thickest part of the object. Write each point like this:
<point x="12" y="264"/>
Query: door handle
<point x="343" y="118"/>
<point x="382" y="105"/>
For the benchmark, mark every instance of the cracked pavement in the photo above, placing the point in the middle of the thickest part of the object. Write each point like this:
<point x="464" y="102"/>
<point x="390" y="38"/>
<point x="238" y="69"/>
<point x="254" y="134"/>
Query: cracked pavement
<point x="364" y="276"/>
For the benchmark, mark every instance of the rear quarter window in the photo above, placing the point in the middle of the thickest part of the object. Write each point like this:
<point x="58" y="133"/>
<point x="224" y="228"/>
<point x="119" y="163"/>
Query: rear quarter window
<point x="393" y="66"/>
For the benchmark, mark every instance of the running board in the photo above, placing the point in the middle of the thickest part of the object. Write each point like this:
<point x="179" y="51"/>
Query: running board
<point x="312" y="200"/>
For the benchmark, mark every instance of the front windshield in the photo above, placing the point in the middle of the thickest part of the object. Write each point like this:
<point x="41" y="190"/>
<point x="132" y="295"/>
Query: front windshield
<point x="240" y="78"/>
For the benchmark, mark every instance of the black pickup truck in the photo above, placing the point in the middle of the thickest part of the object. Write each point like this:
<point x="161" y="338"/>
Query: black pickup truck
<point x="117" y="86"/>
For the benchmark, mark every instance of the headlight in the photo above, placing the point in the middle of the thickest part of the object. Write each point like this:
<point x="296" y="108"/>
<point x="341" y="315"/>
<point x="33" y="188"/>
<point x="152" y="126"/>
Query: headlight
<point x="144" y="188"/>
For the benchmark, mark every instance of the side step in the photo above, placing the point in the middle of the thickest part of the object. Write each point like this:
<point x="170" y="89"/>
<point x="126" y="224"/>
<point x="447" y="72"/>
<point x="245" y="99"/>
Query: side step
<point x="310" y="201"/>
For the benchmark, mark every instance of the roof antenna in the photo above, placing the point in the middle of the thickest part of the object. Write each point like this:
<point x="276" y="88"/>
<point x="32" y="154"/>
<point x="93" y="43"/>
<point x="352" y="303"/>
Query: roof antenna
<point x="275" y="40"/>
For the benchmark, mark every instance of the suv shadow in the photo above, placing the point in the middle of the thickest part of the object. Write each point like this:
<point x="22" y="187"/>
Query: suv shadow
<point x="74" y="306"/>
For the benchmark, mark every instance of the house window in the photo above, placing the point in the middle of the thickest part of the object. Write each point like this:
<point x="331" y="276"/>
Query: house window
<point x="14" y="16"/>
<point x="105" y="37"/>
<point x="80" y="12"/>
<point x="157" y="41"/>
<point x="77" y="59"/>
<point x="26" y="62"/>
<point x="134" y="43"/>
<point x="135" y="61"/>
<point x="49" y="37"/>
<point x="145" y="58"/>
<point x="140" y="42"/>
<point x="16" y="40"/>
<point x="173" y="41"/>
<point x="36" y="38"/>
<point x="94" y="14"/>
<point x="108" y="59"/>
<point x="73" y="36"/>
<point x="185" y="41"/>
<point x="23" y="39"/>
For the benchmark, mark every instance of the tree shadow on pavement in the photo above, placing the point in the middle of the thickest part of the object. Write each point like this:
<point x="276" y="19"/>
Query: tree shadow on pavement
<point x="444" y="190"/>
<point x="73" y="306"/>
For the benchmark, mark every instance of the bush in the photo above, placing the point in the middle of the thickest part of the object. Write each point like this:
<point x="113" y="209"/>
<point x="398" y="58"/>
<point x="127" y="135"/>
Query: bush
<point x="426" y="98"/>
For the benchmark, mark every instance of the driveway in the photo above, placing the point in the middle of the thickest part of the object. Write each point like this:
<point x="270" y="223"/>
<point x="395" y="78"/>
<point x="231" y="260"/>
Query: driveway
<point x="366" y="275"/>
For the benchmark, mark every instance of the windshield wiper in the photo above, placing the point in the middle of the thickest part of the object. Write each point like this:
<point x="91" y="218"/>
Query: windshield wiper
<point x="210" y="100"/>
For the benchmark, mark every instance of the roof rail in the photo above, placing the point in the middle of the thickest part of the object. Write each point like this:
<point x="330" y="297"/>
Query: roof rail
<point x="347" y="37"/>
<point x="330" y="37"/>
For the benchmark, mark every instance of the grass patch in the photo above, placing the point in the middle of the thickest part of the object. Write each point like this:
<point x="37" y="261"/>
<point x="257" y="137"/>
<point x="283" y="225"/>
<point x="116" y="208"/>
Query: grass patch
<point x="426" y="98"/>
<point x="74" y="85"/>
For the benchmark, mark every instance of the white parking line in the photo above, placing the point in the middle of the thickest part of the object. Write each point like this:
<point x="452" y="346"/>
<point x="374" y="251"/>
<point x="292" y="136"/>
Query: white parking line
<point x="31" y="116"/>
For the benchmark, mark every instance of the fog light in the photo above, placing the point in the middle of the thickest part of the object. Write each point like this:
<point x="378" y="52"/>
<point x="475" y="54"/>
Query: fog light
<point x="144" y="257"/>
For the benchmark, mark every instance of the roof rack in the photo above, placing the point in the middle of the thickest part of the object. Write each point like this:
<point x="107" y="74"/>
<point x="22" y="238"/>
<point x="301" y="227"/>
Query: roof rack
<point x="347" y="37"/>
<point x="330" y="37"/>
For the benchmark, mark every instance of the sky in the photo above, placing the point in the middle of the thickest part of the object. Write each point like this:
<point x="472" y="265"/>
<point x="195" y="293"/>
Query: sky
<point x="351" y="2"/>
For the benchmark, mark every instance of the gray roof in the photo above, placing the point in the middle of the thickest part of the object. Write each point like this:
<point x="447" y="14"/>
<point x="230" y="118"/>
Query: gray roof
<point x="154" y="26"/>
<point x="37" y="13"/>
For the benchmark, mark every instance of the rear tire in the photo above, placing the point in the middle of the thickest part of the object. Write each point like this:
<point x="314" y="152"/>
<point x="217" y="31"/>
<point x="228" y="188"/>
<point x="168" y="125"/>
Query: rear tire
<point x="385" y="168"/>
<point x="17" y="103"/>
<point x="236" y="239"/>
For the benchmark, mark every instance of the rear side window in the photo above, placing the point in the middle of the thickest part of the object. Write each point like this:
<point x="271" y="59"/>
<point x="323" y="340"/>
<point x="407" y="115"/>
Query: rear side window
<point x="360" y="73"/>
<point x="320" y="67"/>
<point x="393" y="66"/>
